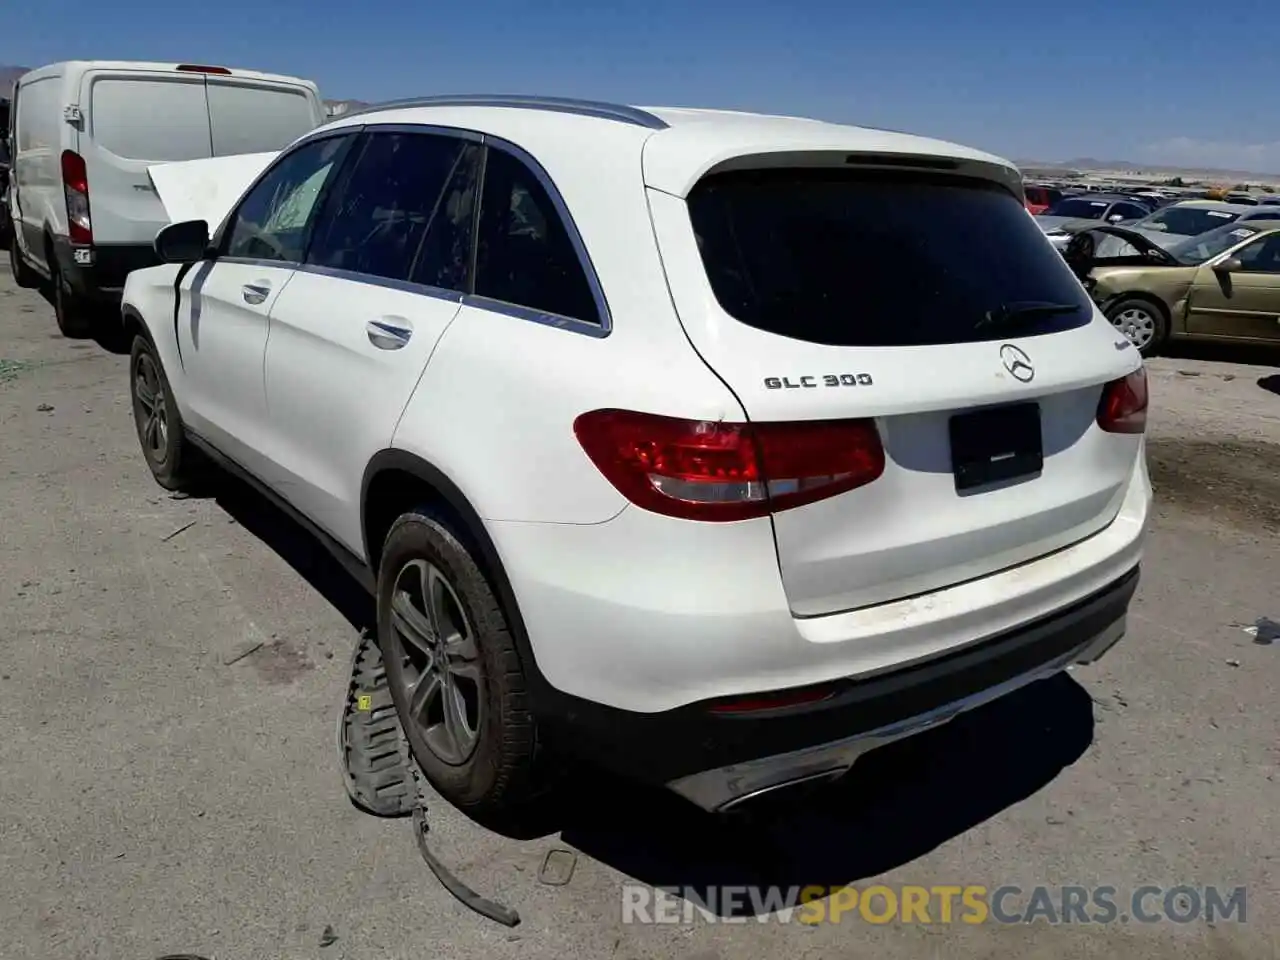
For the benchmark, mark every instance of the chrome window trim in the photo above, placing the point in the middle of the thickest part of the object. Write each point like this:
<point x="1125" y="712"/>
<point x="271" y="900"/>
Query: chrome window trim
<point x="543" y="317"/>
<point x="584" y="108"/>
<point x="368" y="279"/>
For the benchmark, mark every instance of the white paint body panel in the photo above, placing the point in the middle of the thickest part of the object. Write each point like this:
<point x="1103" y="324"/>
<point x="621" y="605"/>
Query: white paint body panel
<point x="624" y="607"/>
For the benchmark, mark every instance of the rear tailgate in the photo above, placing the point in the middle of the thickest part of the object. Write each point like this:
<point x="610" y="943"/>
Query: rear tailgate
<point x="830" y="293"/>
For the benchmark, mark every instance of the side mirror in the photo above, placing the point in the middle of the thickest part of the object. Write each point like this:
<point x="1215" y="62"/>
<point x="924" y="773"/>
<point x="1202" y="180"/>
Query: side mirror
<point x="1229" y="265"/>
<point x="1115" y="218"/>
<point x="184" y="242"/>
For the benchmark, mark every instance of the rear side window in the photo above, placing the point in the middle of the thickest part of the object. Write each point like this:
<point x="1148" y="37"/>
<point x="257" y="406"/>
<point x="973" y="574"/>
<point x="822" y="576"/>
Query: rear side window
<point x="38" y="116"/>
<point x="861" y="259"/>
<point x="150" y="119"/>
<point x="524" y="255"/>
<point x="247" y="119"/>
<point x="398" y="205"/>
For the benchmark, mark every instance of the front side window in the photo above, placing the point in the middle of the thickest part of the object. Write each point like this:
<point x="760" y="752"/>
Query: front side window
<point x="397" y="205"/>
<point x="273" y="221"/>
<point x="853" y="258"/>
<point x="1196" y="250"/>
<point x="1261" y="256"/>
<point x="524" y="255"/>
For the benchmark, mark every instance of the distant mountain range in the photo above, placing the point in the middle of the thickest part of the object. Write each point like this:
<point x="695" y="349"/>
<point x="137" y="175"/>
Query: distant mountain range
<point x="1093" y="165"/>
<point x="8" y="77"/>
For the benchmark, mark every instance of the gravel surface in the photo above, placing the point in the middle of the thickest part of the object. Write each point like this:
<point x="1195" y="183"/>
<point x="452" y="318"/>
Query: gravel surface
<point x="170" y="671"/>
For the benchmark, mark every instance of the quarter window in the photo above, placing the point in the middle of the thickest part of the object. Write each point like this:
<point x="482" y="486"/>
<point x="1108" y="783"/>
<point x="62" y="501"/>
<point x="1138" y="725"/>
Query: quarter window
<point x="403" y="212"/>
<point x="524" y="255"/>
<point x="273" y="221"/>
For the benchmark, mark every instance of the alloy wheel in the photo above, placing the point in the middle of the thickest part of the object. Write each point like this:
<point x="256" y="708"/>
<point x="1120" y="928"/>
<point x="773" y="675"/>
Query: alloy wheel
<point x="441" y="679"/>
<point x="150" y="409"/>
<point x="1136" y="323"/>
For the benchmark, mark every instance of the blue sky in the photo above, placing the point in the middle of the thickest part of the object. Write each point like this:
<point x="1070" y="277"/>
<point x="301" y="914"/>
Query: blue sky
<point x="1178" y="82"/>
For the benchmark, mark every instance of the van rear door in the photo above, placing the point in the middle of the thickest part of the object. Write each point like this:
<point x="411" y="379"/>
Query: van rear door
<point x="255" y="115"/>
<point x="133" y="119"/>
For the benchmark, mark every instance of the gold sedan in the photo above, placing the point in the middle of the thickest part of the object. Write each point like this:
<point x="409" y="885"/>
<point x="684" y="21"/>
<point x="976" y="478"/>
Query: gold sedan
<point x="1220" y="285"/>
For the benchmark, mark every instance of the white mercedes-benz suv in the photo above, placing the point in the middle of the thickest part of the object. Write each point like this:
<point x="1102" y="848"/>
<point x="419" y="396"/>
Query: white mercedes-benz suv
<point x="713" y="447"/>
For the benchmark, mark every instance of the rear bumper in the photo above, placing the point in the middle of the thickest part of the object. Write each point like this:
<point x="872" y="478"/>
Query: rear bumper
<point x="98" y="272"/>
<point x="876" y="712"/>
<point x="649" y="614"/>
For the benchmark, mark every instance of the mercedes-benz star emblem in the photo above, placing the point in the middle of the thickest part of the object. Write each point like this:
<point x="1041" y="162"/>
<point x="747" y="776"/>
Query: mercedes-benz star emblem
<point x="1017" y="362"/>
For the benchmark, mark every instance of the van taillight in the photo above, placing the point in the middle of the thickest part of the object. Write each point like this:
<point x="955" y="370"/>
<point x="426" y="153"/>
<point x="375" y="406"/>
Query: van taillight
<point x="712" y="470"/>
<point x="75" y="187"/>
<point x="201" y="68"/>
<point x="1123" y="407"/>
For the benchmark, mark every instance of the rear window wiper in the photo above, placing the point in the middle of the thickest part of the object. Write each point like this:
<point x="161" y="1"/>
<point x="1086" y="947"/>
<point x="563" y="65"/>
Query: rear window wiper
<point x="1016" y="313"/>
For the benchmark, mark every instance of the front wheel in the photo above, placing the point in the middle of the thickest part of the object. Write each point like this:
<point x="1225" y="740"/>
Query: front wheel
<point x="1142" y="322"/>
<point x="168" y="453"/>
<point x="453" y="670"/>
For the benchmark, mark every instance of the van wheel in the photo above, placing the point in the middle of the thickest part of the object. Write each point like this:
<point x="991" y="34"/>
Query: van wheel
<point x="23" y="275"/>
<point x="1144" y="324"/>
<point x="70" y="310"/>
<point x="453" y="671"/>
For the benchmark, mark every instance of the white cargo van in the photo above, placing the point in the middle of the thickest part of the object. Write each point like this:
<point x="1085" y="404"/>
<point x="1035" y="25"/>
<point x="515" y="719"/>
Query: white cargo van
<point x="83" y="134"/>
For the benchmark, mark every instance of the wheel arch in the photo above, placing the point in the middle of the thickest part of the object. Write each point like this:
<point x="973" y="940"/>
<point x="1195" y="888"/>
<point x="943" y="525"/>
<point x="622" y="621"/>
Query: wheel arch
<point x="395" y="481"/>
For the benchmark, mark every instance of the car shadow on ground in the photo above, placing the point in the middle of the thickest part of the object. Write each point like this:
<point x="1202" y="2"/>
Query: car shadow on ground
<point x="107" y="332"/>
<point x="898" y="803"/>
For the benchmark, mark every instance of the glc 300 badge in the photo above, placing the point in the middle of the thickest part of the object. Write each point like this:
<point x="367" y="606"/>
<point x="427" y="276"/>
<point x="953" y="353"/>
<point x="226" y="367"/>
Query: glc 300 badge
<point x="825" y="380"/>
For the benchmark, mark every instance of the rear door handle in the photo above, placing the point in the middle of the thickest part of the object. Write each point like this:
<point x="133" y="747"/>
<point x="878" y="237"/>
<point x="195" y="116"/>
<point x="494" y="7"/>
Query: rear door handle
<point x="389" y="333"/>
<point x="255" y="292"/>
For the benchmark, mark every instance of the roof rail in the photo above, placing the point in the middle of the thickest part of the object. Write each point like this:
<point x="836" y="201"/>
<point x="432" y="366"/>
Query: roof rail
<point x="586" y="108"/>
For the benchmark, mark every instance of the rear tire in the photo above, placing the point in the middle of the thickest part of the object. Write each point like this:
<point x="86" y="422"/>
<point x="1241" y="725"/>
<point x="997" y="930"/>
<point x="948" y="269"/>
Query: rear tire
<point x="174" y="462"/>
<point x="469" y="728"/>
<point x="23" y="274"/>
<point x="1144" y="323"/>
<point x="69" y="309"/>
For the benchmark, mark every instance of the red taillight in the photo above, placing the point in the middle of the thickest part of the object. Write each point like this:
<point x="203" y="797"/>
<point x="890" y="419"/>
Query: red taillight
<point x="200" y="68"/>
<point x="1123" y="407"/>
<point x="709" y="470"/>
<point x="75" y="187"/>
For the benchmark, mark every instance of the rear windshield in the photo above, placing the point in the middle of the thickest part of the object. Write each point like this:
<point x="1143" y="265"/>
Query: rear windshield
<point x="142" y="118"/>
<point x="1079" y="208"/>
<point x="248" y="119"/>
<point x="853" y="258"/>
<point x="1187" y="221"/>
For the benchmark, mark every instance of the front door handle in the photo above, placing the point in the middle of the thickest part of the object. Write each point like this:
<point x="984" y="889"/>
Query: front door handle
<point x="390" y="333"/>
<point x="255" y="293"/>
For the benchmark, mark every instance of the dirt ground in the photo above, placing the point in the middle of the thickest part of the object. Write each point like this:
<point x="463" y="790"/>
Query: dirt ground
<point x="164" y="790"/>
